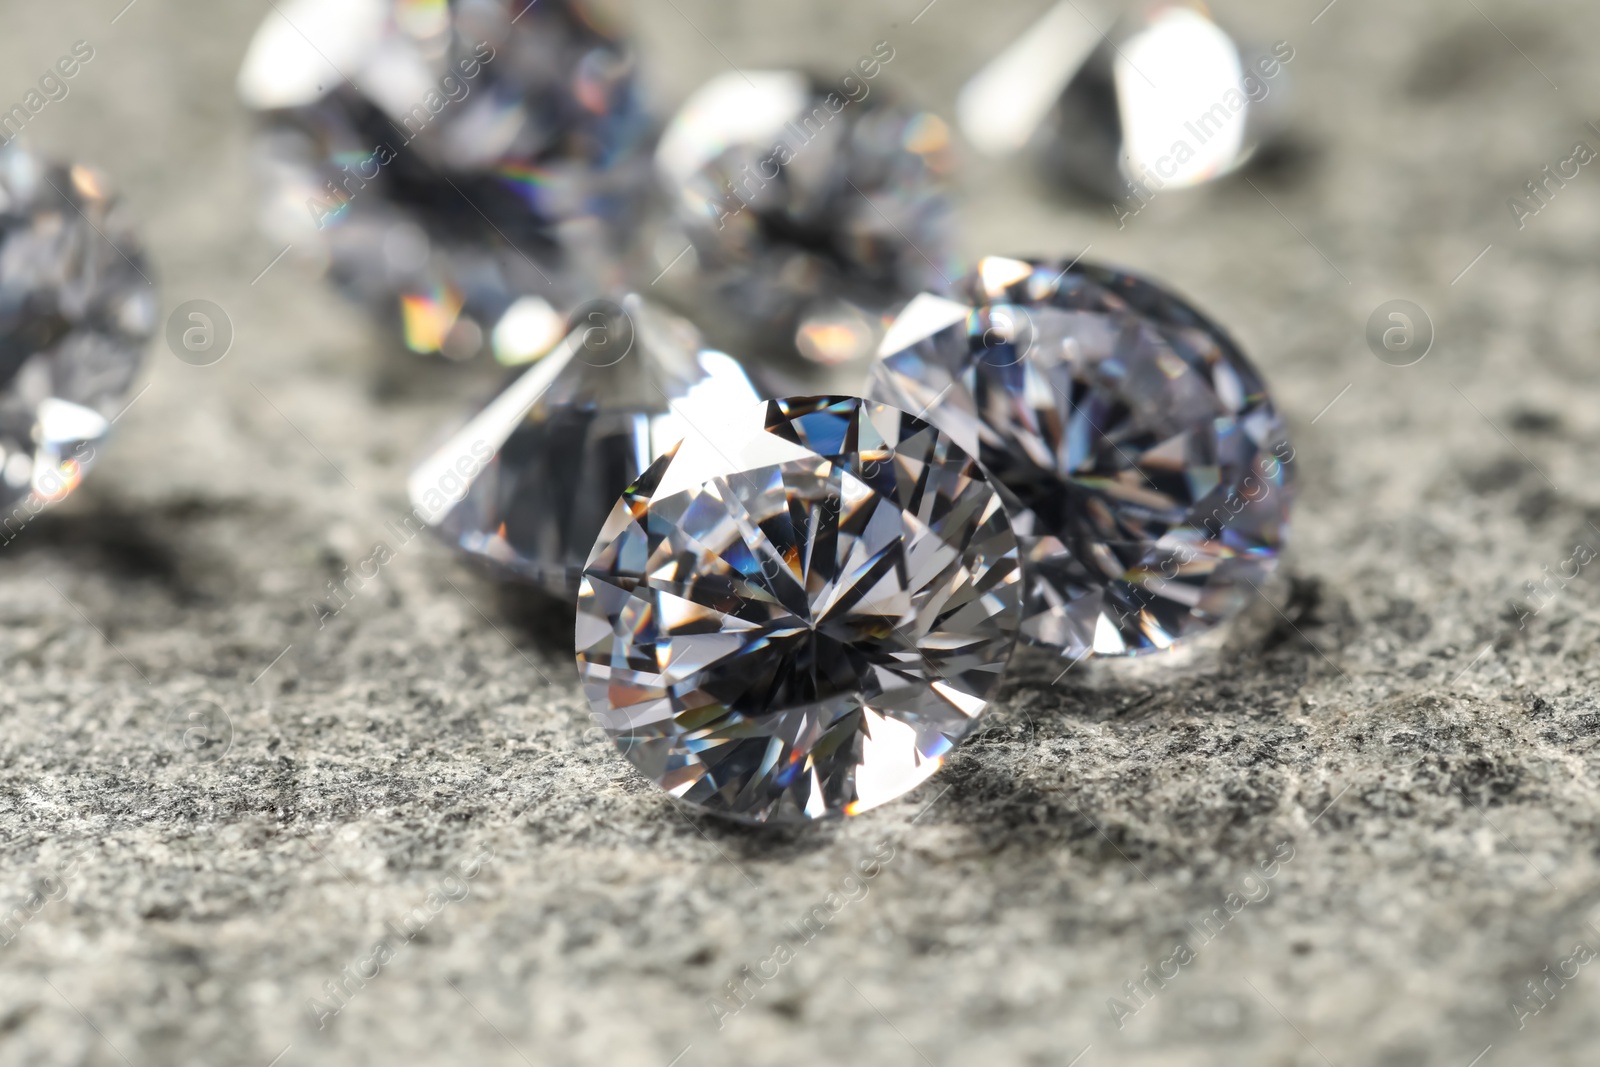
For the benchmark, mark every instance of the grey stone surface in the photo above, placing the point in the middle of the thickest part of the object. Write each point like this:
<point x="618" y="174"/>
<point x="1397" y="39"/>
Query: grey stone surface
<point x="1431" y="763"/>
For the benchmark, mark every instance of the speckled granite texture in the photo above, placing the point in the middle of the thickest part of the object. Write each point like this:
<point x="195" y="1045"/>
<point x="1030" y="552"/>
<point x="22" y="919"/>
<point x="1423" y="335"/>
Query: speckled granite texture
<point x="1396" y="791"/>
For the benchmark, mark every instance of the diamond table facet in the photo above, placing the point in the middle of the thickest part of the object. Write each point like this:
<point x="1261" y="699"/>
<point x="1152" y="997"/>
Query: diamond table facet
<point x="1147" y="472"/>
<point x="796" y="616"/>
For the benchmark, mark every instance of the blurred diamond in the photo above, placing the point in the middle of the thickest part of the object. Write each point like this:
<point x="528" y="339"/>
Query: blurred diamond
<point x="76" y="309"/>
<point x="1148" y="474"/>
<point x="812" y="209"/>
<point x="445" y="162"/>
<point x="1164" y="99"/>
<point x="798" y="616"/>
<point x="526" y="485"/>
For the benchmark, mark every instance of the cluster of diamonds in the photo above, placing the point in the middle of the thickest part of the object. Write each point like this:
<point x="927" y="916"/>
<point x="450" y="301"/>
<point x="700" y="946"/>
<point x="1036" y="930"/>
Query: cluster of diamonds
<point x="792" y="609"/>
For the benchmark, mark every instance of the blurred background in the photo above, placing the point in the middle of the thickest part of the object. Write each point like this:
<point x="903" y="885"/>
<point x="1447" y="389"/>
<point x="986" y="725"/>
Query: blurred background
<point x="1412" y="752"/>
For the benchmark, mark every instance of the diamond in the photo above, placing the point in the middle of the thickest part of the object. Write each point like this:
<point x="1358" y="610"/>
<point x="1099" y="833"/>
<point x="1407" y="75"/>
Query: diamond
<point x="797" y="616"/>
<point x="527" y="483"/>
<point x="1148" y="474"/>
<point x="76" y="309"/>
<point x="1165" y="99"/>
<point x="812" y="209"/>
<point x="484" y="159"/>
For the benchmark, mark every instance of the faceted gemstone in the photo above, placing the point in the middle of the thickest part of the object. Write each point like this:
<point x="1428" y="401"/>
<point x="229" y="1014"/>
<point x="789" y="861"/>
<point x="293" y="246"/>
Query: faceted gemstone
<point x="1147" y="472"/>
<point x="527" y="483"/>
<point x="797" y="615"/>
<point x="811" y="207"/>
<point x="483" y="169"/>
<point x="77" y="307"/>
<point x="1164" y="99"/>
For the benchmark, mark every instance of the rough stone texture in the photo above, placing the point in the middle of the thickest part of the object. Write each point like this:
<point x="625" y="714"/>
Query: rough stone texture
<point x="1058" y="855"/>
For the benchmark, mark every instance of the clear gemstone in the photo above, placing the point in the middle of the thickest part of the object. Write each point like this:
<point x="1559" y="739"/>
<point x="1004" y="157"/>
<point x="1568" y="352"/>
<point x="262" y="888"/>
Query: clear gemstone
<point x="1166" y="98"/>
<point x="810" y="214"/>
<point x="1148" y="474"/>
<point x="77" y="307"/>
<point x="798" y="615"/>
<point x="483" y="154"/>
<point x="527" y="483"/>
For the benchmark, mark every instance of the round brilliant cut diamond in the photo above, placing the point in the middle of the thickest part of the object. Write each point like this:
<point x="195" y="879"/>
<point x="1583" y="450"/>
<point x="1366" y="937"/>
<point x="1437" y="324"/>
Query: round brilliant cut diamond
<point x="1145" y="467"/>
<point x="797" y="615"/>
